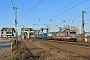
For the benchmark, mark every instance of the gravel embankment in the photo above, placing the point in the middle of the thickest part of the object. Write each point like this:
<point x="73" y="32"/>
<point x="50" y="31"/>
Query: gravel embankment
<point x="36" y="49"/>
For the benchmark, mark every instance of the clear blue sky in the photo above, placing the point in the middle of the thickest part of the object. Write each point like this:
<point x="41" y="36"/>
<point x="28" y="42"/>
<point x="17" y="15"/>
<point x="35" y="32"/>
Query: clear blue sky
<point x="45" y="10"/>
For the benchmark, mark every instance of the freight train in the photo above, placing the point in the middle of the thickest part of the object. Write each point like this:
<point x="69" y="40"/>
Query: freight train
<point x="67" y="35"/>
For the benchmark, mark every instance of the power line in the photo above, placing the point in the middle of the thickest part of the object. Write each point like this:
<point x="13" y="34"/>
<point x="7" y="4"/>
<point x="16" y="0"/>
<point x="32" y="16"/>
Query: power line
<point x="73" y="13"/>
<point x="69" y="9"/>
<point x="62" y="8"/>
<point x="81" y="15"/>
<point x="31" y="9"/>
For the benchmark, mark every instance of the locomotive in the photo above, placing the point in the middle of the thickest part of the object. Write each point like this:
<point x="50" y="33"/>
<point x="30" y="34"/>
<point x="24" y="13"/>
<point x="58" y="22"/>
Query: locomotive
<point x="66" y="35"/>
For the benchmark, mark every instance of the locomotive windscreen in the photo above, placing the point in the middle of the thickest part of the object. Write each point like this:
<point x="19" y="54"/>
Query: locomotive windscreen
<point x="72" y="32"/>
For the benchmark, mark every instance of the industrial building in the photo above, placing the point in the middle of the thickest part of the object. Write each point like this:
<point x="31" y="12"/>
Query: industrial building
<point x="27" y="32"/>
<point x="7" y="32"/>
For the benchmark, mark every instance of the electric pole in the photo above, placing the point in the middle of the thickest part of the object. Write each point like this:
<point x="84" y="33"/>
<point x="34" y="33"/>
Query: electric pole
<point x="83" y="32"/>
<point x="16" y="26"/>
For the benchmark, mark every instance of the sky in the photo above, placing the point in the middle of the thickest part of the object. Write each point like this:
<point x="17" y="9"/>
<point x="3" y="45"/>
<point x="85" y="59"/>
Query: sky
<point x="42" y="13"/>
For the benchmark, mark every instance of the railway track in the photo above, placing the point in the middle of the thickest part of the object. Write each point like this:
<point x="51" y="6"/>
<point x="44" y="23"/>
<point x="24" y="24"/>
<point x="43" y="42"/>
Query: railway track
<point x="67" y="48"/>
<point x="58" y="49"/>
<point x="79" y="44"/>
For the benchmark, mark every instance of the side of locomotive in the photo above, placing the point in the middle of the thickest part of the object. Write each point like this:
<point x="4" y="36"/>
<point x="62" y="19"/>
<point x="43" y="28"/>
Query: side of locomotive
<point x="67" y="35"/>
<point x="49" y="35"/>
<point x="41" y="36"/>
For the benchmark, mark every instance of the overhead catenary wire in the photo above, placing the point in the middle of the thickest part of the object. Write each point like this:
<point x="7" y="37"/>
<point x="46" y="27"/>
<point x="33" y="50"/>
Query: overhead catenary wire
<point x="73" y="13"/>
<point x="49" y="20"/>
<point x="81" y="14"/>
<point x="69" y="9"/>
<point x="28" y="11"/>
<point x="62" y="8"/>
<point x="31" y="9"/>
<point x="76" y="13"/>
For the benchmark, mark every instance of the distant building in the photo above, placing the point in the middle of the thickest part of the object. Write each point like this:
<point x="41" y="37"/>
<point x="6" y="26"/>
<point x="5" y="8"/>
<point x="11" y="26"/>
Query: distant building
<point x="7" y="32"/>
<point x="27" y="32"/>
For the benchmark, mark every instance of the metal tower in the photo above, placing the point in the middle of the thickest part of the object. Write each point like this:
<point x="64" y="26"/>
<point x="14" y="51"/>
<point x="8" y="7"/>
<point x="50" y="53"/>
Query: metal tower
<point x="83" y="32"/>
<point x="16" y="26"/>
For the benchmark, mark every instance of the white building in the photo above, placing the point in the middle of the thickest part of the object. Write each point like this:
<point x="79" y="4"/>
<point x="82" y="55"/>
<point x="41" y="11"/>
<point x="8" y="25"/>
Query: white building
<point x="7" y="32"/>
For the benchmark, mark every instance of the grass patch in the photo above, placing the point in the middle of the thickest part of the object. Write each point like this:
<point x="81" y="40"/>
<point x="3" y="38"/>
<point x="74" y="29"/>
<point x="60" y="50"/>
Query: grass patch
<point x="19" y="55"/>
